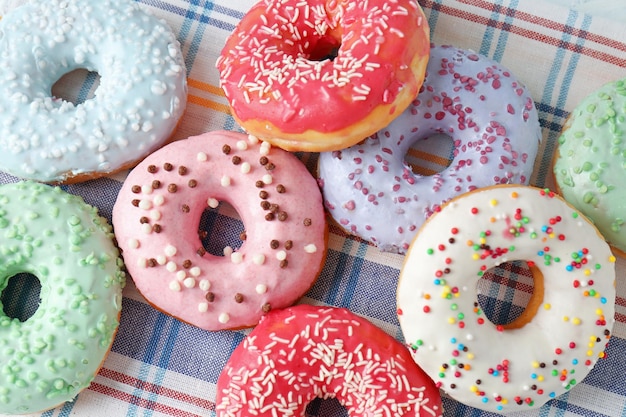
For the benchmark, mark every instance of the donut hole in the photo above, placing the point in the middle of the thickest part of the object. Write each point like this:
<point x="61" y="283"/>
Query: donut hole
<point x="20" y="297"/>
<point x="430" y="155"/>
<point x="220" y="228"/>
<point x="326" y="407"/>
<point x="326" y="47"/>
<point x="76" y="86"/>
<point x="510" y="294"/>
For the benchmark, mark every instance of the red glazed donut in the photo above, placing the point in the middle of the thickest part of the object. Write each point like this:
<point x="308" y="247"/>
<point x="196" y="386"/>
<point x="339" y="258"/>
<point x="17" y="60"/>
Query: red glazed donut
<point x="283" y="85"/>
<point x="160" y="206"/>
<point x="303" y="352"/>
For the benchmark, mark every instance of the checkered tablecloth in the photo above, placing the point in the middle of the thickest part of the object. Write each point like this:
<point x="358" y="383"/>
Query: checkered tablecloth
<point x="159" y="366"/>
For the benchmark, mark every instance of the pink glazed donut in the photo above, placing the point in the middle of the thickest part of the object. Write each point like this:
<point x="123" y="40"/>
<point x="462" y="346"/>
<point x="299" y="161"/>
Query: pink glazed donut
<point x="157" y="217"/>
<point x="491" y="118"/>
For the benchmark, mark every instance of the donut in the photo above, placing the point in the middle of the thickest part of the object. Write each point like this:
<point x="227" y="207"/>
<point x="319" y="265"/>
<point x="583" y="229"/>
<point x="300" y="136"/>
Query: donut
<point x="490" y="116"/>
<point x="161" y="204"/>
<point x="562" y="332"/>
<point x="305" y="352"/>
<point x="322" y="75"/>
<point x="140" y="98"/>
<point x="54" y="354"/>
<point x="589" y="165"/>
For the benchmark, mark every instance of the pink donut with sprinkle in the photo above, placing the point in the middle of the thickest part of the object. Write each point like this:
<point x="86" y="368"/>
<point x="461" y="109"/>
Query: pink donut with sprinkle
<point x="157" y="218"/>
<point x="372" y="192"/>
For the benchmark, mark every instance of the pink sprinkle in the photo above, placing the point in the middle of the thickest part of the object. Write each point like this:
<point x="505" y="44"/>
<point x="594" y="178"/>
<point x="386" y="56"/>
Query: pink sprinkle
<point x="440" y="115"/>
<point x="350" y="205"/>
<point x="387" y="150"/>
<point x="510" y="109"/>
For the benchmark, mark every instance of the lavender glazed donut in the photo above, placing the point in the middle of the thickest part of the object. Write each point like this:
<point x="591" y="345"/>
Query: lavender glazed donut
<point x="488" y="113"/>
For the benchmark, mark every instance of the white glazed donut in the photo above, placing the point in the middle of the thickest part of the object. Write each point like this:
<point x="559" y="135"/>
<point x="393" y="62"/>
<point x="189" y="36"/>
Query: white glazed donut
<point x="562" y="332"/>
<point x="137" y="105"/>
<point x="490" y="116"/>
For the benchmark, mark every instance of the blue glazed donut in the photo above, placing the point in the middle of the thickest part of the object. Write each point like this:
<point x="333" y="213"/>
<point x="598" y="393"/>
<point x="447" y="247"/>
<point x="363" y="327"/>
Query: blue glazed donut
<point x="491" y="118"/>
<point x="140" y="99"/>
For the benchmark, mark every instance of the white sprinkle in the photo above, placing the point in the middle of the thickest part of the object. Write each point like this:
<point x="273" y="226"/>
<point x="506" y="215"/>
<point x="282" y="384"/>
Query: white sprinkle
<point x="170" y="250"/>
<point x="203" y="307"/>
<point x="310" y="248"/>
<point x="155" y="215"/>
<point x="142" y="262"/>
<point x="225" y="181"/>
<point x="261" y="289"/>
<point x="145" y="204"/>
<point x="224" y="318"/>
<point x="171" y="266"/>
<point x="159" y="200"/>
<point x="202" y="157"/>
<point x="175" y="286"/>
<point x="189" y="282"/>
<point x="161" y="260"/>
<point x="267" y="179"/>
<point x="265" y="148"/>
<point x="147" y="189"/>
<point x="258" y="259"/>
<point x="242" y="145"/>
<point x="236" y="257"/>
<point x="204" y="285"/>
<point x="195" y="271"/>
<point x="281" y="255"/>
<point x="181" y="275"/>
<point x="146" y="228"/>
<point x="213" y="203"/>
<point x="253" y="139"/>
<point x="227" y="250"/>
<point x="133" y="243"/>
<point x="245" y="168"/>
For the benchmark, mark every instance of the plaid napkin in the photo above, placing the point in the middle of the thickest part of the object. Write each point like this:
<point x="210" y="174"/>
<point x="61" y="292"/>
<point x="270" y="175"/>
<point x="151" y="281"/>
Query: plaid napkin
<point x="159" y="366"/>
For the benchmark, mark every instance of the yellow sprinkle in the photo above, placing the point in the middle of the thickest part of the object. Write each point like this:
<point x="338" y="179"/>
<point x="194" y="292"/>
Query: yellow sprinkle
<point x="590" y="353"/>
<point x="475" y="256"/>
<point x="442" y="369"/>
<point x="514" y="194"/>
<point x="504" y="401"/>
<point x="551" y="235"/>
<point x="599" y="312"/>
<point x="565" y="318"/>
<point x="576" y="321"/>
<point x="535" y="364"/>
<point x="592" y="338"/>
<point x="457" y="294"/>
<point x="612" y="259"/>
<point x="601" y="355"/>
<point x="474" y="388"/>
<point x="540" y="378"/>
<point x="451" y="320"/>
<point x="547" y="306"/>
<point x="483" y="240"/>
<point x="470" y="356"/>
<point x="587" y="272"/>
<point x="493" y="202"/>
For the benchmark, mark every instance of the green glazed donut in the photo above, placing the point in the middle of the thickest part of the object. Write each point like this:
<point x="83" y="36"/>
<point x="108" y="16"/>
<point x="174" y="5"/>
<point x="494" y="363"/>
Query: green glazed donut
<point x="54" y="354"/>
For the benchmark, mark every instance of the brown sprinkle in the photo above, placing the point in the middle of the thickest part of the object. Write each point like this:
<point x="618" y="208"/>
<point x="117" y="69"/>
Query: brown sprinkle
<point x="263" y="160"/>
<point x="284" y="263"/>
<point x="152" y="169"/>
<point x="167" y="166"/>
<point x="192" y="183"/>
<point x="265" y="205"/>
<point x="266" y="307"/>
<point x="264" y="194"/>
<point x="226" y="149"/>
<point x="243" y="236"/>
<point x="282" y="216"/>
<point x="269" y="216"/>
<point x="152" y="262"/>
<point x="259" y="184"/>
<point x="136" y="189"/>
<point x="280" y="188"/>
<point x="274" y="208"/>
<point x="185" y="208"/>
<point x="239" y="298"/>
<point x="172" y="188"/>
<point x="156" y="184"/>
<point x="307" y="222"/>
<point x="201" y="251"/>
<point x="203" y="234"/>
<point x="144" y="219"/>
<point x="210" y="297"/>
<point x="289" y="244"/>
<point x="274" y="244"/>
<point x="157" y="228"/>
<point x="270" y="166"/>
<point x="186" y="264"/>
<point x="182" y="170"/>
<point x="236" y="160"/>
<point x="135" y="203"/>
